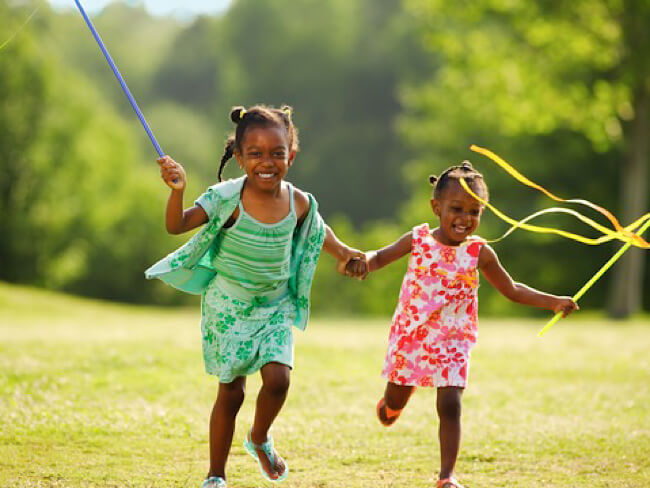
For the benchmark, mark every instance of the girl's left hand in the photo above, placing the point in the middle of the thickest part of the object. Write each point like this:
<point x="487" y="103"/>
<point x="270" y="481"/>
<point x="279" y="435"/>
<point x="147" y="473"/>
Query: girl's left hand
<point x="354" y="264"/>
<point x="566" y="305"/>
<point x="357" y="268"/>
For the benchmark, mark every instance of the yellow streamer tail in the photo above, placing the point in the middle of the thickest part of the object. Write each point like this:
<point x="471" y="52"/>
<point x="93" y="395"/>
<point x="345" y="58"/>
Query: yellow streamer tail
<point x="593" y="279"/>
<point x="20" y="28"/>
<point x="626" y="234"/>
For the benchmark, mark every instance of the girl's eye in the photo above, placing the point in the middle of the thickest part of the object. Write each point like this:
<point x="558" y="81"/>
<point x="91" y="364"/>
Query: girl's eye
<point x="279" y="154"/>
<point x="254" y="154"/>
<point x="475" y="213"/>
<point x="456" y="209"/>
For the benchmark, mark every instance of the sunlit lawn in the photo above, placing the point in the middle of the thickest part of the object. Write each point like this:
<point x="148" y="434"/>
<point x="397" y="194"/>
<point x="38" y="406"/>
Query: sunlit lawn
<point x="93" y="394"/>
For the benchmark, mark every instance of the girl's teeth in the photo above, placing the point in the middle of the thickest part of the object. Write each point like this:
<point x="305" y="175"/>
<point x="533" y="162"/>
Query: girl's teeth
<point x="265" y="175"/>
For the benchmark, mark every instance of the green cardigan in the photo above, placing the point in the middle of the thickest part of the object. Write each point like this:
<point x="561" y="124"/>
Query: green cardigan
<point x="190" y="268"/>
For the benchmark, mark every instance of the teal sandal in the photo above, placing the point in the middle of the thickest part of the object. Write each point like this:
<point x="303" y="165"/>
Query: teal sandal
<point x="271" y="455"/>
<point x="214" y="482"/>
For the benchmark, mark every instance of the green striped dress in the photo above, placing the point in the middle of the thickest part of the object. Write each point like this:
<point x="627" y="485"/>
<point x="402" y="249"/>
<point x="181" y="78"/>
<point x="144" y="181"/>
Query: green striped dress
<point x="246" y="310"/>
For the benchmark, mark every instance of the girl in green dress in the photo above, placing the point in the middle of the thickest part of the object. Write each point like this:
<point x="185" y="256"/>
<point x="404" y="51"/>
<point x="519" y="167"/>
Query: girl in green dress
<point x="253" y="264"/>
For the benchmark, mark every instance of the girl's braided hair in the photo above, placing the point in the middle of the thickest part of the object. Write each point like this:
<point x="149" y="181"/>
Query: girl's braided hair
<point x="464" y="170"/>
<point x="257" y="116"/>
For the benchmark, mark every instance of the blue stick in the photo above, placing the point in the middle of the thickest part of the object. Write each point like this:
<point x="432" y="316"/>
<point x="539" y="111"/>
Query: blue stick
<point x="125" y="88"/>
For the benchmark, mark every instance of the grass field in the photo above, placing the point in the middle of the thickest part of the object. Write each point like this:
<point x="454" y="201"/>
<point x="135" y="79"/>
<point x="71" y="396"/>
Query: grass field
<point x="94" y="394"/>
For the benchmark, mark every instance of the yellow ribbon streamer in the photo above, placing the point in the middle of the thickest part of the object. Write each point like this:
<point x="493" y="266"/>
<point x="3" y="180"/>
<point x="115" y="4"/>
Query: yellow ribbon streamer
<point x="623" y="233"/>
<point x="609" y="234"/>
<point x="20" y="28"/>
<point x="593" y="279"/>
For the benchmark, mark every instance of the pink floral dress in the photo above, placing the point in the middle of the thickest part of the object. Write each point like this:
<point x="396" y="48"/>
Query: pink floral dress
<point x="436" y="322"/>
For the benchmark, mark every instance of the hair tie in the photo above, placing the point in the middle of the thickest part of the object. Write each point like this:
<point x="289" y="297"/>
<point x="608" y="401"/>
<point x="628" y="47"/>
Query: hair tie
<point x="242" y="112"/>
<point x="287" y="110"/>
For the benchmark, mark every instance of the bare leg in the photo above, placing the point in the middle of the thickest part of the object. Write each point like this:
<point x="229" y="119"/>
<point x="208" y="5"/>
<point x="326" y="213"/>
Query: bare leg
<point x="275" y="386"/>
<point x="222" y="423"/>
<point x="448" y="405"/>
<point x="395" y="397"/>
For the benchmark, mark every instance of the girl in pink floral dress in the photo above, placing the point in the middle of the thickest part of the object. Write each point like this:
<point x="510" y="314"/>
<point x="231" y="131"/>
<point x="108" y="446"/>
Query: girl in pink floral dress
<point x="435" y="323"/>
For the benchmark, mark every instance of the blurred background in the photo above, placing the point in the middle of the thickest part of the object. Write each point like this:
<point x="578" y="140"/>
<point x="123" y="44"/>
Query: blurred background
<point x="385" y="92"/>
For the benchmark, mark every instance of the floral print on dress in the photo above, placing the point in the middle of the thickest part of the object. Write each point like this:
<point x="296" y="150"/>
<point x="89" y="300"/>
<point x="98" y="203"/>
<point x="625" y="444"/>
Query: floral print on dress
<point x="435" y="323"/>
<point x="238" y="339"/>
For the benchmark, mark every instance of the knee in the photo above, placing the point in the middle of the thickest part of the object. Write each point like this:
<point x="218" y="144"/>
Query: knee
<point x="449" y="405"/>
<point x="397" y="396"/>
<point x="232" y="396"/>
<point x="277" y="383"/>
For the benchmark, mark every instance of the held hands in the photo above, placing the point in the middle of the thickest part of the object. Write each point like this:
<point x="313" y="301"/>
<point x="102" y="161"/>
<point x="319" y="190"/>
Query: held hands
<point x="565" y="305"/>
<point x="354" y="265"/>
<point x="172" y="173"/>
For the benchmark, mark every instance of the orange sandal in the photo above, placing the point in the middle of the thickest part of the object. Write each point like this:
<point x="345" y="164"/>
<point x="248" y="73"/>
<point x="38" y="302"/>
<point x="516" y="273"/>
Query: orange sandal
<point x="389" y="415"/>
<point x="448" y="483"/>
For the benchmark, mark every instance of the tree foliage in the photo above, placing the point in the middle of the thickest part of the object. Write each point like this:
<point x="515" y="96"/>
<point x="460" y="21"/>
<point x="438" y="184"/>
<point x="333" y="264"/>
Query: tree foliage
<point x="385" y="93"/>
<point x="525" y="76"/>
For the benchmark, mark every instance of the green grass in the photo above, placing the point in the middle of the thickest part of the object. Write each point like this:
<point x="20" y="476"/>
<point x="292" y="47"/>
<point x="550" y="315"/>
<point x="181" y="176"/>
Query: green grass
<point x="94" y="394"/>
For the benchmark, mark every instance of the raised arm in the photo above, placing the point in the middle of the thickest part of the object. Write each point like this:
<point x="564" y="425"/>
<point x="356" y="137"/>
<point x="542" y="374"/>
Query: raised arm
<point x="488" y="263"/>
<point x="178" y="220"/>
<point x="386" y="255"/>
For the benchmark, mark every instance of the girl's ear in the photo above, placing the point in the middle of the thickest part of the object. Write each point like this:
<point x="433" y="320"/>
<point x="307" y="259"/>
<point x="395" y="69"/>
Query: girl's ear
<point x="238" y="157"/>
<point x="435" y="206"/>
<point x="292" y="156"/>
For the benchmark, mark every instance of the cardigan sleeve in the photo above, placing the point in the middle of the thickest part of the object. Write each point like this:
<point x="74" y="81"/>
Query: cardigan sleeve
<point x="213" y="198"/>
<point x="209" y="202"/>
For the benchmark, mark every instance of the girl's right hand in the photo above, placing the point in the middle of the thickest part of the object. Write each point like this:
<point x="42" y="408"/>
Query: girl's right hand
<point x="566" y="305"/>
<point x="172" y="173"/>
<point x="357" y="268"/>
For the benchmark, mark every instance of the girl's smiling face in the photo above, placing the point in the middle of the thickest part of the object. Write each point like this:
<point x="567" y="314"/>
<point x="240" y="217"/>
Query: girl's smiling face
<point x="459" y="214"/>
<point x="265" y="156"/>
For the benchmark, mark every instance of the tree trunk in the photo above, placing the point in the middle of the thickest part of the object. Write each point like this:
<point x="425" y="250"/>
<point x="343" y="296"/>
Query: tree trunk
<point x="626" y="292"/>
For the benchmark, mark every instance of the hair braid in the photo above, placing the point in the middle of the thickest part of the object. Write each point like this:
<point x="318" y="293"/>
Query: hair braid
<point x="227" y="154"/>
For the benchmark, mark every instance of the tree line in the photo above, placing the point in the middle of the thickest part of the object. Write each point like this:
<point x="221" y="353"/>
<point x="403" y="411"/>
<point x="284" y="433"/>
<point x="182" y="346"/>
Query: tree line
<point x="384" y="93"/>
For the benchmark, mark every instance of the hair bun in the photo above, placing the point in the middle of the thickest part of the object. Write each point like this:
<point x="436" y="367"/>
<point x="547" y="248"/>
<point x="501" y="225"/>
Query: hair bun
<point x="237" y="113"/>
<point x="433" y="179"/>
<point x="466" y="165"/>
<point x="287" y="109"/>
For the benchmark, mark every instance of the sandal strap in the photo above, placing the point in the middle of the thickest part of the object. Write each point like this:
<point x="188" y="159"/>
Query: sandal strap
<point x="390" y="413"/>
<point x="266" y="447"/>
<point x="220" y="482"/>
<point x="448" y="481"/>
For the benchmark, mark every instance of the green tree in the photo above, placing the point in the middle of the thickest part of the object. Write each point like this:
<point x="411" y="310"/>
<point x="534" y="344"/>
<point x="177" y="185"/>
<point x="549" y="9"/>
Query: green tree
<point x="77" y="214"/>
<point x="339" y="64"/>
<point x="524" y="69"/>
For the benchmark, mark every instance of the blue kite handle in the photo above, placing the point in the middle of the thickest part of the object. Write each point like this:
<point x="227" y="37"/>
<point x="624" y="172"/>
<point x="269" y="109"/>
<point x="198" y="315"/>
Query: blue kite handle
<point x="125" y="88"/>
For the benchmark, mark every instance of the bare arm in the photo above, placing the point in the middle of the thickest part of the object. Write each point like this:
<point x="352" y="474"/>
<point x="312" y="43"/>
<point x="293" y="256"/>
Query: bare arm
<point x="489" y="264"/>
<point x="350" y="262"/>
<point x="178" y="220"/>
<point x="342" y="253"/>
<point x="386" y="255"/>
